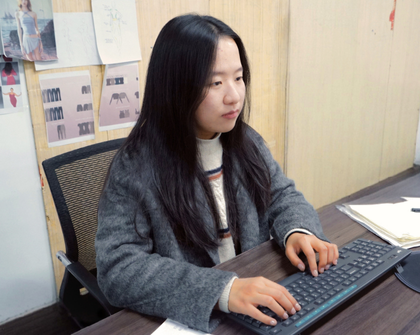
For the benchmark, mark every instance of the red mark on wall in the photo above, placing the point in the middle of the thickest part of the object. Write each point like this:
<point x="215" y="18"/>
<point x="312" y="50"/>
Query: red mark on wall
<point x="392" y="15"/>
<point x="40" y="177"/>
<point x="7" y="59"/>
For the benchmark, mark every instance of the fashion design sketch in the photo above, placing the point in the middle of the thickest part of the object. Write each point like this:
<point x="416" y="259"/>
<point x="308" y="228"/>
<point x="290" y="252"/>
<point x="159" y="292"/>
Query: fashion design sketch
<point x="116" y="30"/>
<point x="76" y="42"/>
<point x="120" y="103"/>
<point x="68" y="107"/>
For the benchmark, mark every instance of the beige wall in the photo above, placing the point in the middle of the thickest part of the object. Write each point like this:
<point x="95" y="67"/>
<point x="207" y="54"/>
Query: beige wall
<point x="353" y="94"/>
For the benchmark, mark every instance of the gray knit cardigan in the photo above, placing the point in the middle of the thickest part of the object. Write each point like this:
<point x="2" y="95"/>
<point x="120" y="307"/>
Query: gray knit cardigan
<point x="154" y="274"/>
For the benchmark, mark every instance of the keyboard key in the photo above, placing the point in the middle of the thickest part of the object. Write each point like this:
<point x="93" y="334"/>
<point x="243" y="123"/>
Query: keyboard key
<point x="287" y="323"/>
<point x="257" y="323"/>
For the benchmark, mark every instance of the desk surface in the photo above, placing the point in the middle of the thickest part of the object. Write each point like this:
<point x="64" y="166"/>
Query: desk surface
<point x="386" y="307"/>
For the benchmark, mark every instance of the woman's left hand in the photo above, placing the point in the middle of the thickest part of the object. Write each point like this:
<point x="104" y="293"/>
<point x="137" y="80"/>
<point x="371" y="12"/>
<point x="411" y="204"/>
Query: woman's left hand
<point x="309" y="245"/>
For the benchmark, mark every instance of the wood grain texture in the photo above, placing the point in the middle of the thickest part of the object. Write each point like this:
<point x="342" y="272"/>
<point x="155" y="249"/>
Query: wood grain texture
<point x="403" y="100"/>
<point x="386" y="307"/>
<point x="352" y="95"/>
<point x="263" y="27"/>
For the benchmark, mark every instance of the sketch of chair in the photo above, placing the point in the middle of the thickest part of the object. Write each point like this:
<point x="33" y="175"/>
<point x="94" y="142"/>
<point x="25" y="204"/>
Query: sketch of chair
<point x="60" y="114"/>
<point x="45" y="96"/>
<point x="119" y="81"/>
<point x="137" y="94"/>
<point x="123" y="95"/>
<point x="86" y="107"/>
<point x="53" y="114"/>
<point x="79" y="108"/>
<point x="55" y="92"/>
<point x="115" y="96"/>
<point x="61" y="131"/>
<point x="47" y="115"/>
<point x="50" y="95"/>
<point x="86" y="89"/>
<point x="57" y="113"/>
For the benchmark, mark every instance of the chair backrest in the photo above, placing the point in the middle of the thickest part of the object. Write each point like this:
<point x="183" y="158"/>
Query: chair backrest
<point x="76" y="179"/>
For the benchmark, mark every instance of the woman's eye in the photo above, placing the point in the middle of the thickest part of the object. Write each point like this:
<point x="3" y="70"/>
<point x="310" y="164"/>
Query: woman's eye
<point x="217" y="83"/>
<point x="239" y="78"/>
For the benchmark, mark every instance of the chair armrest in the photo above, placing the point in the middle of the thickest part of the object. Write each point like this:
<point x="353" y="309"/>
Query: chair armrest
<point x="88" y="280"/>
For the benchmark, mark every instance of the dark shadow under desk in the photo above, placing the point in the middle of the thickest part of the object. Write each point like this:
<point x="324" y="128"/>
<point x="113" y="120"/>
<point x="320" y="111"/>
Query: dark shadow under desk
<point x="385" y="307"/>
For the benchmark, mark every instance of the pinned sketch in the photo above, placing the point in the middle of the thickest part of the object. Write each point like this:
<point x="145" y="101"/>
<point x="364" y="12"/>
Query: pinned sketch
<point x="28" y="29"/>
<point x="68" y="107"/>
<point x="116" y="30"/>
<point x="11" y="92"/>
<point x="76" y="42"/>
<point x="120" y="100"/>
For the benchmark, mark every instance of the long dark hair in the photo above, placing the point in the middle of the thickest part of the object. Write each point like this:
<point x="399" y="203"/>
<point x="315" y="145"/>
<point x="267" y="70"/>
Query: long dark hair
<point x="180" y="67"/>
<point x="8" y="68"/>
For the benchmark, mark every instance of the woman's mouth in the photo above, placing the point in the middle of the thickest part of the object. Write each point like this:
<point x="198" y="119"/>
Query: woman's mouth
<point x="231" y="114"/>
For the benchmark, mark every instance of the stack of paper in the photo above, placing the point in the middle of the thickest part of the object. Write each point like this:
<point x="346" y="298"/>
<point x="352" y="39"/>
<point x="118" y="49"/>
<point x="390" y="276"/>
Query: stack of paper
<point x="395" y="223"/>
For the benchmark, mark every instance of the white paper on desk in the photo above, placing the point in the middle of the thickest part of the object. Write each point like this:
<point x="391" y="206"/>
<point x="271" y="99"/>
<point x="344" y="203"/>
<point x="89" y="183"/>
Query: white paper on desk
<point x="396" y="219"/>
<point x="116" y="30"/>
<point x="76" y="42"/>
<point x="175" y="328"/>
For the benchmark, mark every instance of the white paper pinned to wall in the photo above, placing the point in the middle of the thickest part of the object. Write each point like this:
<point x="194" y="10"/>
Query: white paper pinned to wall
<point x="76" y="42"/>
<point x="116" y="30"/>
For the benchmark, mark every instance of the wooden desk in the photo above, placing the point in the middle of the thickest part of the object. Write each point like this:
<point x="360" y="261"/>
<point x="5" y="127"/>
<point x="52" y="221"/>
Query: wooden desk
<point x="386" y="307"/>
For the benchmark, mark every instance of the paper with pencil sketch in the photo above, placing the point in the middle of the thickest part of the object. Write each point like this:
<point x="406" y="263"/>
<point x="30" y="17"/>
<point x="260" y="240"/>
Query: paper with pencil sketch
<point x="394" y="222"/>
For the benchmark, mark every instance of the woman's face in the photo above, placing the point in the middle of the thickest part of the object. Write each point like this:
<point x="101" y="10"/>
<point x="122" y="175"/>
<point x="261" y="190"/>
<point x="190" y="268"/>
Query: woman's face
<point x="24" y="3"/>
<point x="220" y="108"/>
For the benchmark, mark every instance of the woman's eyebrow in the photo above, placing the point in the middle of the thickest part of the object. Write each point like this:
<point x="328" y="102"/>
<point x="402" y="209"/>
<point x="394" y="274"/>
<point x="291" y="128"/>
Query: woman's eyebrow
<point x="217" y="73"/>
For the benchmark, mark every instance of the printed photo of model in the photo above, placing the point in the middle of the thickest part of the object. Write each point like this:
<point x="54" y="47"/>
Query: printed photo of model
<point x="9" y="73"/>
<point x="28" y="33"/>
<point x="12" y="96"/>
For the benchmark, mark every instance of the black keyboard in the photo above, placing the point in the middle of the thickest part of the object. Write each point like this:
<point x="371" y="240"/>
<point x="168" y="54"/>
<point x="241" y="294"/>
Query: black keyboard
<point x="360" y="263"/>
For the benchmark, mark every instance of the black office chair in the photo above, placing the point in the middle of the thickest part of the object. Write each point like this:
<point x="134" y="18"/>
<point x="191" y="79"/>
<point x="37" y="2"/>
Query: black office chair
<point x="76" y="179"/>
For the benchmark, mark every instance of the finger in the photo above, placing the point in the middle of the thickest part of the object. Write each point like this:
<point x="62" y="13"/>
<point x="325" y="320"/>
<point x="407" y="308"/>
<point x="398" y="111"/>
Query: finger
<point x="331" y="255"/>
<point x="310" y="256"/>
<point x="294" y="258"/>
<point x="322" y="250"/>
<point x="336" y="254"/>
<point x="280" y="300"/>
<point x="260" y="316"/>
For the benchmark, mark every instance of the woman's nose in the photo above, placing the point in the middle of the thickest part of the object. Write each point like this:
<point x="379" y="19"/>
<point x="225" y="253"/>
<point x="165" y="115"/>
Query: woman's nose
<point x="232" y="94"/>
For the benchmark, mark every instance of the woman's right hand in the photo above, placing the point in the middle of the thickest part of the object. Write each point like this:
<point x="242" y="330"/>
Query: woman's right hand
<point x="247" y="294"/>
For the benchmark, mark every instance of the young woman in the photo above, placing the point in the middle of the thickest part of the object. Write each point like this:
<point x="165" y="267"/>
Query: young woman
<point x="9" y="73"/>
<point x="30" y="42"/>
<point x="194" y="186"/>
<point x="12" y="96"/>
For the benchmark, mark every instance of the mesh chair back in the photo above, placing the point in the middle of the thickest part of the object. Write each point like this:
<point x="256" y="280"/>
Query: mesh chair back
<point x="76" y="180"/>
